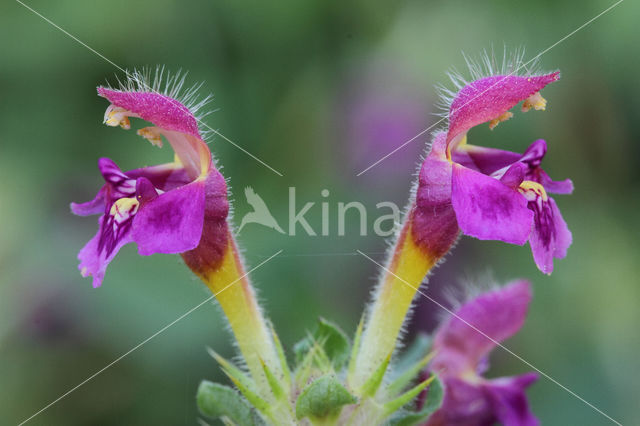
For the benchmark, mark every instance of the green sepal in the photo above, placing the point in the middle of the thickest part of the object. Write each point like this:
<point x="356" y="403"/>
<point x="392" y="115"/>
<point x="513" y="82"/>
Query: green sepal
<point x="253" y="398"/>
<point x="307" y="366"/>
<point x="274" y="383"/>
<point x="282" y="357"/>
<point x="232" y="371"/>
<point x="323" y="399"/>
<point x="331" y="338"/>
<point x="372" y="384"/>
<point x="219" y="401"/>
<point x="406" y="377"/>
<point x="396" y="404"/>
<point x="354" y="351"/>
<point x="432" y="402"/>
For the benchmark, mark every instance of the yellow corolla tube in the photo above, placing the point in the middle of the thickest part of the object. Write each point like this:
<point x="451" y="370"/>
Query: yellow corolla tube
<point x="400" y="280"/>
<point x="225" y="275"/>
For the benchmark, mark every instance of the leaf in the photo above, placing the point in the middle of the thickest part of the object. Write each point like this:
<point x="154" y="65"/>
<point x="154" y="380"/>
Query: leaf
<point x="331" y="338"/>
<point x="433" y="401"/>
<point x="217" y="401"/>
<point x="323" y="399"/>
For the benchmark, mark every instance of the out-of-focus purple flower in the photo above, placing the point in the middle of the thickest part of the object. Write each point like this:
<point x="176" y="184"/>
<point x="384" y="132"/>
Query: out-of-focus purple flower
<point x="377" y="112"/>
<point x="461" y="357"/>
<point x="161" y="208"/>
<point x="487" y="193"/>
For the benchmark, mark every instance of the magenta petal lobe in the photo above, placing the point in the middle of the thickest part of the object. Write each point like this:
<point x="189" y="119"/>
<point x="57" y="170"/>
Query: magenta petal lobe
<point x="550" y="237"/>
<point x="171" y="222"/>
<point x="488" y="209"/>
<point x="95" y="206"/>
<point x="461" y="343"/>
<point x="482" y="159"/>
<point x="114" y="232"/>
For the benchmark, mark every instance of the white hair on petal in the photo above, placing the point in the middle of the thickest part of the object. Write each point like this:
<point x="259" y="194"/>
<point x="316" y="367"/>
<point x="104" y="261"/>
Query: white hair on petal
<point x="172" y="85"/>
<point x="484" y="65"/>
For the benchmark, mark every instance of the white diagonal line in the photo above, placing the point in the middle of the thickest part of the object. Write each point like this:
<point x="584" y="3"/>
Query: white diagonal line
<point x="493" y="85"/>
<point x="542" y="373"/>
<point x="76" y="39"/>
<point x="190" y="311"/>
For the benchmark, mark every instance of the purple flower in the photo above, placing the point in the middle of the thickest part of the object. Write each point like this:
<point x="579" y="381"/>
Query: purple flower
<point x="461" y="354"/>
<point x="161" y="208"/>
<point x="487" y="193"/>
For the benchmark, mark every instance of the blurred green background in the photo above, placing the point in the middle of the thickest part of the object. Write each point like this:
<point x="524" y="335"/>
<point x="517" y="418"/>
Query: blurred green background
<point x="318" y="90"/>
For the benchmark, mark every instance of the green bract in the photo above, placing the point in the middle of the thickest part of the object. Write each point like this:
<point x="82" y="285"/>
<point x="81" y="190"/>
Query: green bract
<point x="317" y="391"/>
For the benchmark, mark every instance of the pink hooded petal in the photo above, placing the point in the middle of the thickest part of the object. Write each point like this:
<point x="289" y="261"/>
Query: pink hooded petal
<point x="159" y="109"/>
<point x="459" y="345"/>
<point x="550" y="237"/>
<point x="488" y="98"/>
<point x="171" y="222"/>
<point x="433" y="220"/>
<point x="488" y="209"/>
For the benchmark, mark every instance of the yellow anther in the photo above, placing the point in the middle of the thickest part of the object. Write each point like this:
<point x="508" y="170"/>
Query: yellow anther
<point x="531" y="190"/>
<point x="504" y="117"/>
<point x="535" y="101"/>
<point x="116" y="116"/>
<point x="152" y="134"/>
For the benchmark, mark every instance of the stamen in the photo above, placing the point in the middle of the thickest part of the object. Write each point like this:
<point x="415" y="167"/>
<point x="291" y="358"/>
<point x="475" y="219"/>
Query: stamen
<point x="152" y="134"/>
<point x="504" y="117"/>
<point x="116" y="116"/>
<point x="535" y="101"/>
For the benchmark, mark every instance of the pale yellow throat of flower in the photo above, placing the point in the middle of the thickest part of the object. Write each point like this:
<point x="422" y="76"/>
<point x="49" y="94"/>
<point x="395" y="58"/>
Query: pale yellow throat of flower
<point x="238" y="301"/>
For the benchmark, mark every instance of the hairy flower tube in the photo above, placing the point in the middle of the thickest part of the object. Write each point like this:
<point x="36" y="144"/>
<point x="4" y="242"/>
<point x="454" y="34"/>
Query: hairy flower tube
<point x="486" y="193"/>
<point x="462" y="345"/>
<point x="177" y="207"/>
